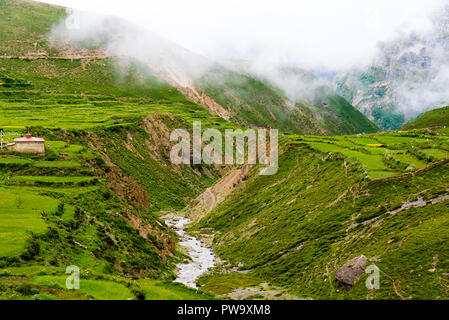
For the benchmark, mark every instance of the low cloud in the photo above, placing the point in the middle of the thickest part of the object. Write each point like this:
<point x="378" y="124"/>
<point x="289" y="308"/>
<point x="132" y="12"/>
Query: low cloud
<point x="182" y="39"/>
<point x="321" y="34"/>
<point x="128" y="41"/>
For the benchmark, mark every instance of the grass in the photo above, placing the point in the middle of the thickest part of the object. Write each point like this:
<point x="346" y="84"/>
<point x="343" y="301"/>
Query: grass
<point x="373" y="162"/>
<point x="20" y="212"/>
<point x="382" y="174"/>
<point x="160" y="290"/>
<point x="22" y="20"/>
<point x="51" y="179"/>
<point x="98" y="289"/>
<point x="388" y="139"/>
<point x="408" y="151"/>
<point x="293" y="229"/>
<point x="436" y="153"/>
<point x="364" y="141"/>
<point x="81" y="108"/>
<point x="66" y="191"/>
<point x="43" y="282"/>
<point x="56" y="164"/>
<point x="80" y="232"/>
<point x="222" y="284"/>
<point x="438" y="118"/>
<point x="14" y="161"/>
<point x="92" y="215"/>
<point x="410" y="160"/>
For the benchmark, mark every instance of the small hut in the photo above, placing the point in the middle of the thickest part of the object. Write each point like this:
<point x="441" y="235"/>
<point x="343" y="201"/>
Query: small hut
<point x="28" y="144"/>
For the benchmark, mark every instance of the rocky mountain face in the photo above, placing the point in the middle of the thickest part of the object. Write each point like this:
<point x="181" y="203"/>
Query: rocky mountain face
<point x="408" y="77"/>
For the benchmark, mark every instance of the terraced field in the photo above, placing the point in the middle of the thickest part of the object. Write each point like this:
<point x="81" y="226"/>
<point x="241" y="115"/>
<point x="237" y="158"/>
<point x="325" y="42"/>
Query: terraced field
<point x="20" y="212"/>
<point x="35" y="103"/>
<point x="40" y="215"/>
<point x="25" y="197"/>
<point x="387" y="154"/>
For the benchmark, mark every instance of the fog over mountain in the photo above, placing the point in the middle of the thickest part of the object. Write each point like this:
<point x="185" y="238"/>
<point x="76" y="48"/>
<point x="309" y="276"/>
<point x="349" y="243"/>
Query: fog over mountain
<point x="320" y="34"/>
<point x="408" y="76"/>
<point x="324" y="37"/>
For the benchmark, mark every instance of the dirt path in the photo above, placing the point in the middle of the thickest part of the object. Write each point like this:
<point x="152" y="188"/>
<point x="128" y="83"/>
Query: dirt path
<point x="45" y="57"/>
<point x="212" y="199"/>
<point x="216" y="194"/>
<point x="419" y="203"/>
<point x="261" y="292"/>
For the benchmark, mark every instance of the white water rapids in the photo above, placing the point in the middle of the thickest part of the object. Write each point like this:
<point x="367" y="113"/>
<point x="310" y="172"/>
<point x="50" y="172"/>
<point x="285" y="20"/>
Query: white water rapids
<point x="203" y="258"/>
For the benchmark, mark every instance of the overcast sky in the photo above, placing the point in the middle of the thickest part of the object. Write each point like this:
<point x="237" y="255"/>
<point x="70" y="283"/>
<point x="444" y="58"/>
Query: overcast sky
<point x="315" y="34"/>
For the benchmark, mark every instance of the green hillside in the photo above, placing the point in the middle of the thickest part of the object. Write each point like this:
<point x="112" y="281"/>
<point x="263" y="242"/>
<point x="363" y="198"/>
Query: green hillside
<point x="23" y="26"/>
<point x="254" y="102"/>
<point x="437" y="119"/>
<point x="70" y="94"/>
<point x="297" y="228"/>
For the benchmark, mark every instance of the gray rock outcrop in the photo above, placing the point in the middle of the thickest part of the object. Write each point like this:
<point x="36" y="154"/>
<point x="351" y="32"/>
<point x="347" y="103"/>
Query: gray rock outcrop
<point x="351" y="271"/>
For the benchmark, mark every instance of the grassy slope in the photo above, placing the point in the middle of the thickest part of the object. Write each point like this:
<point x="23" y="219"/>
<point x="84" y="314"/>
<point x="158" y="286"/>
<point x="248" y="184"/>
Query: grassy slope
<point x="109" y="245"/>
<point x="385" y="154"/>
<point x="73" y="221"/>
<point x="23" y="25"/>
<point x="352" y="120"/>
<point x="48" y="283"/>
<point x="133" y="149"/>
<point x="255" y="102"/>
<point x="70" y="94"/>
<point x="20" y="212"/>
<point x="431" y="119"/>
<point x="296" y="228"/>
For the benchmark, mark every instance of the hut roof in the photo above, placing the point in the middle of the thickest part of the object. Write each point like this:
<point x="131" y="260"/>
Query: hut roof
<point x="29" y="138"/>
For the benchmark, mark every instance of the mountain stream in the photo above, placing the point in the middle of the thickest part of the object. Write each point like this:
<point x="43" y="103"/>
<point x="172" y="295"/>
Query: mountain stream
<point x="203" y="257"/>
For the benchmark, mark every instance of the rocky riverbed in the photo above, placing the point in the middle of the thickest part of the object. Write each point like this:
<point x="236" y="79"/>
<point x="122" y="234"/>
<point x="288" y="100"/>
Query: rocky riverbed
<point x="203" y="257"/>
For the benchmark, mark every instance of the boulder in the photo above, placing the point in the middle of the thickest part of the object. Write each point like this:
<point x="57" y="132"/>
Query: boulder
<point x="351" y="271"/>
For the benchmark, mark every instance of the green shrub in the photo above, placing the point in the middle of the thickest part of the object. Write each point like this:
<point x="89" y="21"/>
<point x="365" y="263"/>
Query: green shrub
<point x="138" y="293"/>
<point x="32" y="248"/>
